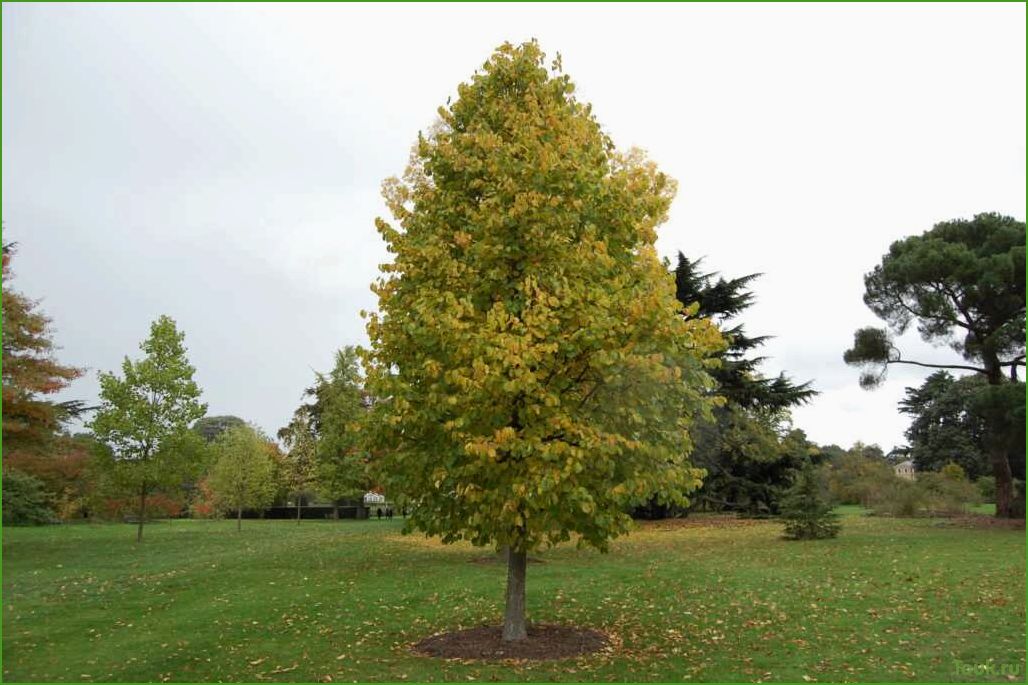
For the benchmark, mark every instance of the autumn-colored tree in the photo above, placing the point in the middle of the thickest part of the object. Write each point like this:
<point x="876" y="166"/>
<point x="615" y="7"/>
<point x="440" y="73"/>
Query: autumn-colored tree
<point x="65" y="470"/>
<point x="30" y="372"/>
<point x="536" y="374"/>
<point x="242" y="477"/>
<point x="144" y="418"/>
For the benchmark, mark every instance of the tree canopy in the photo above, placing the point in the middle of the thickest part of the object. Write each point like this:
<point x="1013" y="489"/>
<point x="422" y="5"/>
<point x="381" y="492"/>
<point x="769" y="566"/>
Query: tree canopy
<point x="30" y="371"/>
<point x="962" y="283"/>
<point x="339" y="405"/>
<point x="210" y="427"/>
<point x="747" y="449"/>
<point x="299" y="467"/>
<point x="243" y="472"/>
<point x="536" y="373"/>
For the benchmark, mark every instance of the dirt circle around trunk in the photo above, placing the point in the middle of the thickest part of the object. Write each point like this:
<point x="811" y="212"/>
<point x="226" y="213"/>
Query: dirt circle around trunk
<point x="486" y="643"/>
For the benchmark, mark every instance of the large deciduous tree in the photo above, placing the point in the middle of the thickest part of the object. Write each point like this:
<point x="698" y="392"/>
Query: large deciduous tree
<point x="144" y="417"/>
<point x="963" y="284"/>
<point x="535" y="372"/>
<point x="30" y="372"/>
<point x="243" y="472"/>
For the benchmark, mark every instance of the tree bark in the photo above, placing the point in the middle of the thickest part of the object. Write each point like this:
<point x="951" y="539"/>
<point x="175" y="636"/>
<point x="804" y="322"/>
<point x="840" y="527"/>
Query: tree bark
<point x="997" y="448"/>
<point x="1004" y="480"/>
<point x="298" y="510"/>
<point x="142" y="511"/>
<point x="239" y="518"/>
<point x="335" y="511"/>
<point x="514" y="615"/>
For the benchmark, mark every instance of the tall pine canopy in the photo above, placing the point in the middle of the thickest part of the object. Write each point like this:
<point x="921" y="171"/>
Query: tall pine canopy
<point x="738" y="378"/>
<point x="534" y="371"/>
<point x="746" y="449"/>
<point x="961" y="284"/>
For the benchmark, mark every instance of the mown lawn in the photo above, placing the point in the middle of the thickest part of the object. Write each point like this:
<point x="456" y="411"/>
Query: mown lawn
<point x="889" y="600"/>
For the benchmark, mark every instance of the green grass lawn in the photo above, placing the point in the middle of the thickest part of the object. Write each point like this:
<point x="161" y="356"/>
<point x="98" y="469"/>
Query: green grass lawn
<point x="889" y="600"/>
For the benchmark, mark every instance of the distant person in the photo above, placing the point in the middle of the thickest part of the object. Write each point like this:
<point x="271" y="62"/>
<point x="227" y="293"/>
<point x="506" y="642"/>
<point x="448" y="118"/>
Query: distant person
<point x="378" y="512"/>
<point x="389" y="513"/>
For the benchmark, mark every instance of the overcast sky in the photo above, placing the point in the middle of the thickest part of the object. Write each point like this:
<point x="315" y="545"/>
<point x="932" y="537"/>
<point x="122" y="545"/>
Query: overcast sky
<point x="222" y="164"/>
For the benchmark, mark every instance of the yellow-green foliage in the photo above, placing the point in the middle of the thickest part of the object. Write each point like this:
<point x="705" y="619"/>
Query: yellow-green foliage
<point x="243" y="473"/>
<point x="533" y="368"/>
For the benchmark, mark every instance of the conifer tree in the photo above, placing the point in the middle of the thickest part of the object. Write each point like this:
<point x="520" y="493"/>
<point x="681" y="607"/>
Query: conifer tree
<point x="30" y="372"/>
<point x="747" y="451"/>
<point x="806" y="510"/>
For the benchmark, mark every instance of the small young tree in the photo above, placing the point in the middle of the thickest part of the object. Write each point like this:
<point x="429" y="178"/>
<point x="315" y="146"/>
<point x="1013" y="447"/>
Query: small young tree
<point x="242" y="477"/>
<point x="806" y="510"/>
<point x="536" y="374"/>
<point x="299" y="468"/>
<point x="144" y="417"/>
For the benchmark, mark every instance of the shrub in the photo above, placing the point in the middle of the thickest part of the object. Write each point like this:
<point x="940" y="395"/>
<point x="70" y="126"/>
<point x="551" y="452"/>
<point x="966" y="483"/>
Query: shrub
<point x="63" y="472"/>
<point x="898" y="498"/>
<point x="932" y="494"/>
<point x="26" y="501"/>
<point x="158" y="506"/>
<point x="945" y="495"/>
<point x="806" y="510"/>
<point x="857" y="479"/>
<point x="986" y="488"/>
<point x="953" y="471"/>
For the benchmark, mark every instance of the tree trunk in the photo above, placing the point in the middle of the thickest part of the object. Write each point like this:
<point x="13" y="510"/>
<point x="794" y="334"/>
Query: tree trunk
<point x="997" y="446"/>
<point x="1004" y="479"/>
<point x="297" y="510"/>
<point x="335" y="510"/>
<point x="239" y="518"/>
<point x="514" y="614"/>
<point x="142" y="512"/>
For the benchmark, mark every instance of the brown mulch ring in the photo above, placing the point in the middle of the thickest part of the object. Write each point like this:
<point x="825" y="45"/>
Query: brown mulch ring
<point x="702" y="521"/>
<point x="983" y="521"/>
<point x="486" y="643"/>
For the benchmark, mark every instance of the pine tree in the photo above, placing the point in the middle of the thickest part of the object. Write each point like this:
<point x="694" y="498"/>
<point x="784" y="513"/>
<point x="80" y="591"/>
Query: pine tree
<point x="807" y="513"/>
<point x="738" y="378"/>
<point x="746" y="449"/>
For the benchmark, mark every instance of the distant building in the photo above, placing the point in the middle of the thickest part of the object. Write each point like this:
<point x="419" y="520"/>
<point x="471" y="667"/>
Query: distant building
<point x="905" y="469"/>
<point x="374" y="498"/>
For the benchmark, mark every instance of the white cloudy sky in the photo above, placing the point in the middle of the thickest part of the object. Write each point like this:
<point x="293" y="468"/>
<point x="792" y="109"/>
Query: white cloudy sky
<point x="222" y="164"/>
